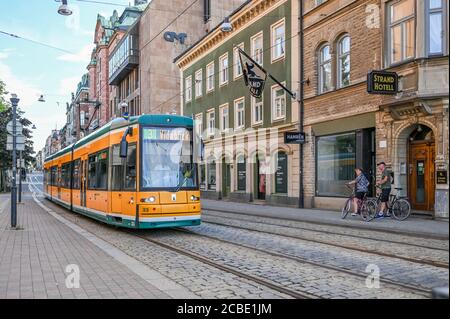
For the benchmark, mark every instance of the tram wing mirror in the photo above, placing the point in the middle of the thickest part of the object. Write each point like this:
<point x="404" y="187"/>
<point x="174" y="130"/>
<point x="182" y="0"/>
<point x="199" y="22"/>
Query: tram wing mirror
<point x="123" y="152"/>
<point x="123" y="148"/>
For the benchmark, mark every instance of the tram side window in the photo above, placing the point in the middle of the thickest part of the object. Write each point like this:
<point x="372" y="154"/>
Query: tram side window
<point x="76" y="175"/>
<point x="102" y="170"/>
<point x="130" y="169"/>
<point x="65" y="176"/>
<point x="54" y="176"/>
<point x="117" y="169"/>
<point x="92" y="175"/>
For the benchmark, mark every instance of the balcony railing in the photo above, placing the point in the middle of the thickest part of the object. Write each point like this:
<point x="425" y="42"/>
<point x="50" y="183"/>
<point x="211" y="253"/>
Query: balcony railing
<point x="124" y="59"/>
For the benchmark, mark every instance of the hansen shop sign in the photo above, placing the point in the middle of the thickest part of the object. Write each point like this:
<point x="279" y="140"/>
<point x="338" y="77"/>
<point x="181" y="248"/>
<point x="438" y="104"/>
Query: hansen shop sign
<point x="382" y="82"/>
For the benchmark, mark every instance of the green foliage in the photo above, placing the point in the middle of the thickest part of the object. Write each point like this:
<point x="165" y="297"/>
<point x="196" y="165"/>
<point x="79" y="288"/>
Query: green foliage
<point x="5" y="117"/>
<point x="3" y="103"/>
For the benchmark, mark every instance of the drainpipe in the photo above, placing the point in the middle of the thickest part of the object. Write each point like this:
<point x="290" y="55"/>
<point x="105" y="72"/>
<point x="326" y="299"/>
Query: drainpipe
<point x="301" y="201"/>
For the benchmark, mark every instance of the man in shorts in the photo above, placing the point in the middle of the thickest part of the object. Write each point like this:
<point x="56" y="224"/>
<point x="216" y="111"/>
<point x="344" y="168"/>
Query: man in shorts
<point x="385" y="185"/>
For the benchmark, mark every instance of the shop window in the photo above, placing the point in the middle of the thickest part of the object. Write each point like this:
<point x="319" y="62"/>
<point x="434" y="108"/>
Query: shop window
<point x="202" y="176"/>
<point x="281" y="175"/>
<point x="335" y="164"/>
<point x="241" y="174"/>
<point x="212" y="174"/>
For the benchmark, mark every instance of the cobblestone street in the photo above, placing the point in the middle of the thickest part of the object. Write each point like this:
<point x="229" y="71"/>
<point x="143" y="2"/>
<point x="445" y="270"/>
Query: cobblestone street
<point x="228" y="256"/>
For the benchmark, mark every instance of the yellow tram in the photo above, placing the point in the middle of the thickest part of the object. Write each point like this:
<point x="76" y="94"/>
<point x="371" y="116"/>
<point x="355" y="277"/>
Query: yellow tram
<point x="136" y="173"/>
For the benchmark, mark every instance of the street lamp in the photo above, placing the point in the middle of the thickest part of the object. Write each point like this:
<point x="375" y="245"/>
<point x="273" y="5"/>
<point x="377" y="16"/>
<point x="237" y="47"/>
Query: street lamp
<point x="14" y="102"/>
<point x="226" y="25"/>
<point x="64" y="9"/>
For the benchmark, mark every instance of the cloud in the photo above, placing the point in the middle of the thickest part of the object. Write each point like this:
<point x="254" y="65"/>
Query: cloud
<point x="69" y="85"/>
<point x="84" y="55"/>
<point x="27" y="92"/>
<point x="5" y="53"/>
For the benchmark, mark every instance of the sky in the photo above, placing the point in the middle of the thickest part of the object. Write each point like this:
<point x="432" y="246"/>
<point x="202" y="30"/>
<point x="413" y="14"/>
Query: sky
<point x="29" y="69"/>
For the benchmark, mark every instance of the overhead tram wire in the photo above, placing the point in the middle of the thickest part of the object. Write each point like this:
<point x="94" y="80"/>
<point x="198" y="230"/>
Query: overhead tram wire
<point x="36" y="42"/>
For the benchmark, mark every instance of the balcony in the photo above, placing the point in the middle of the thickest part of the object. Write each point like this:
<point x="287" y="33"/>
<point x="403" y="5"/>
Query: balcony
<point x="124" y="59"/>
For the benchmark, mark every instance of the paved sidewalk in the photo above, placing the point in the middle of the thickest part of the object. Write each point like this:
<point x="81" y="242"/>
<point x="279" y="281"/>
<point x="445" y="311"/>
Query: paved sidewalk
<point x="33" y="260"/>
<point x="412" y="226"/>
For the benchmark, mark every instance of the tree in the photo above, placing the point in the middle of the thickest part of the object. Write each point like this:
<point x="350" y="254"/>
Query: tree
<point x="3" y="103"/>
<point x="5" y="117"/>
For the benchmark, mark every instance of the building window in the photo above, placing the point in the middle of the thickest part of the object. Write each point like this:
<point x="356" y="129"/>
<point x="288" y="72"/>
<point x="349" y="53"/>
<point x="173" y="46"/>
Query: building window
<point x="239" y="114"/>
<point x="224" y="69"/>
<point x="257" y="111"/>
<point x="198" y="83"/>
<point x="435" y="27"/>
<point x="401" y="25"/>
<point x="211" y="122"/>
<point x="281" y="175"/>
<point x="257" y="48"/>
<point x="278" y="41"/>
<point x="82" y="119"/>
<point x="324" y="69"/>
<point x="241" y="173"/>
<point x="335" y="163"/>
<point x="278" y="103"/>
<point x="199" y="124"/>
<point x="210" y="77"/>
<point x="224" y="118"/>
<point x="188" y="88"/>
<point x="344" y="61"/>
<point x="237" y="61"/>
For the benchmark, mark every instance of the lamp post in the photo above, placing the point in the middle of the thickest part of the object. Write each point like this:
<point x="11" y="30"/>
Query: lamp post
<point x="14" y="102"/>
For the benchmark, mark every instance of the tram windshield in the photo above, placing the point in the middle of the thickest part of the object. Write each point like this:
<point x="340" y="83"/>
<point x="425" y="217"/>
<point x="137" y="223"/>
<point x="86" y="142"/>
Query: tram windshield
<point x="167" y="159"/>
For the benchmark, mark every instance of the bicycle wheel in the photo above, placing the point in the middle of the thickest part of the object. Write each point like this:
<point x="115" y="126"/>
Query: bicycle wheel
<point x="401" y="209"/>
<point x="369" y="210"/>
<point x="346" y="208"/>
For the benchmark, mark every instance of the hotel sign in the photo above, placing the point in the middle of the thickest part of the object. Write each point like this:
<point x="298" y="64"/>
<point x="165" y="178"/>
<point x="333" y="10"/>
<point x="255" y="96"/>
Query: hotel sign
<point x="382" y="82"/>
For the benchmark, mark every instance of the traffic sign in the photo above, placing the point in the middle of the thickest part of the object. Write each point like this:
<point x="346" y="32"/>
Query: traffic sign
<point x="19" y="147"/>
<point x="20" y="139"/>
<point x="19" y="128"/>
<point x="21" y="164"/>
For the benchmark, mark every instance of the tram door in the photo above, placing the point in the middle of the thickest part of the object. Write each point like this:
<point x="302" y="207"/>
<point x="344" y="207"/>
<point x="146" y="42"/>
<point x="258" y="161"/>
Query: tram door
<point x="83" y="182"/>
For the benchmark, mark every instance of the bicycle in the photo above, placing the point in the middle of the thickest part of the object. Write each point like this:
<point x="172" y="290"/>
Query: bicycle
<point x="398" y="207"/>
<point x="367" y="208"/>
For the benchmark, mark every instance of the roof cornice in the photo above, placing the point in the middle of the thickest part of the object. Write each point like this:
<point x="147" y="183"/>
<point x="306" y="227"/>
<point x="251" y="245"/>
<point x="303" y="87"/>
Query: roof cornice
<point x="239" y="20"/>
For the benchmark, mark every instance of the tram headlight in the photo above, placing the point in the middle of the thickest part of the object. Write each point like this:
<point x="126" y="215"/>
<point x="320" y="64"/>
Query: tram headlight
<point x="194" y="198"/>
<point x="150" y="199"/>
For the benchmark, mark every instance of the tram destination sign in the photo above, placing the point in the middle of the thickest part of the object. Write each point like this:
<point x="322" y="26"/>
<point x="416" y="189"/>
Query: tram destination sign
<point x="382" y="82"/>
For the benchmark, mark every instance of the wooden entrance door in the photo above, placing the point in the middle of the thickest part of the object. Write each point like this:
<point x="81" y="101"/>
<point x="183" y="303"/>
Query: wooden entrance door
<point x="421" y="175"/>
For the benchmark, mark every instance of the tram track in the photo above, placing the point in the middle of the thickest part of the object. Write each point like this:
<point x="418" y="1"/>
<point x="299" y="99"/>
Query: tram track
<point x="326" y="231"/>
<point x="260" y="281"/>
<point x="411" y="288"/>
<point x="324" y="242"/>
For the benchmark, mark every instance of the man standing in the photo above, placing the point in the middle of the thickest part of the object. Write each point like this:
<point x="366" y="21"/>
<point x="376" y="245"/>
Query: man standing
<point x="385" y="185"/>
